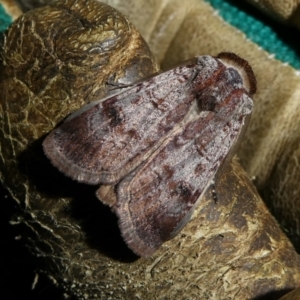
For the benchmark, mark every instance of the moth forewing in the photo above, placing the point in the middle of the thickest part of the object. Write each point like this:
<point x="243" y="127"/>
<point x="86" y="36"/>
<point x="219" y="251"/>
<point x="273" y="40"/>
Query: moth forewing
<point x="103" y="143"/>
<point x="156" y="200"/>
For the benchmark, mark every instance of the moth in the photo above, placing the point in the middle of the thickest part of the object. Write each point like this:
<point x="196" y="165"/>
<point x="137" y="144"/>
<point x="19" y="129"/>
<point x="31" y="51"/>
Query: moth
<point x="156" y="146"/>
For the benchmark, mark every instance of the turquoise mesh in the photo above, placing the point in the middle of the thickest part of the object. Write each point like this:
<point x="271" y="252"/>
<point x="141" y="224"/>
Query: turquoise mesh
<point x="5" y="19"/>
<point x="278" y="39"/>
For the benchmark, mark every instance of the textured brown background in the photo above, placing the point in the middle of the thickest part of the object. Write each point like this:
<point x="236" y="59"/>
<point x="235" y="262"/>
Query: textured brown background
<point x="269" y="153"/>
<point x="287" y="11"/>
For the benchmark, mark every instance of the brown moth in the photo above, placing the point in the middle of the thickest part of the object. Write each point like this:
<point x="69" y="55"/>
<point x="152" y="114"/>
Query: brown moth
<point x="157" y="145"/>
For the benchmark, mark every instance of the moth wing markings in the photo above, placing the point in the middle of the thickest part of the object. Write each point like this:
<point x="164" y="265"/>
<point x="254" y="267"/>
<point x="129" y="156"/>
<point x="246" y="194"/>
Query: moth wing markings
<point x="55" y="147"/>
<point x="74" y="134"/>
<point x="82" y="168"/>
<point x="145" y="207"/>
<point x="148" y="216"/>
<point x="149" y="126"/>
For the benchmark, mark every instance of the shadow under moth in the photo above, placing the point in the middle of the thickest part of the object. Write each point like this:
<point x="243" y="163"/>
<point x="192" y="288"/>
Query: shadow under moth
<point x="155" y="146"/>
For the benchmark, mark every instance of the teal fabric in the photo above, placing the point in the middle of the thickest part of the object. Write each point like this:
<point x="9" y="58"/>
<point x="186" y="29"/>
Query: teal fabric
<point x="5" y="19"/>
<point x="278" y="39"/>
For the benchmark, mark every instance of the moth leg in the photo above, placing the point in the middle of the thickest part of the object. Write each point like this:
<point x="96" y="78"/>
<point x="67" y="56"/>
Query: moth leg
<point x="214" y="193"/>
<point x="213" y="190"/>
<point x="107" y="194"/>
<point x="113" y="84"/>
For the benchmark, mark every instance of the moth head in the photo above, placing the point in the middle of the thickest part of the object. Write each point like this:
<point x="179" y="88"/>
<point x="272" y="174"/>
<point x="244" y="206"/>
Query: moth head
<point x="230" y="59"/>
